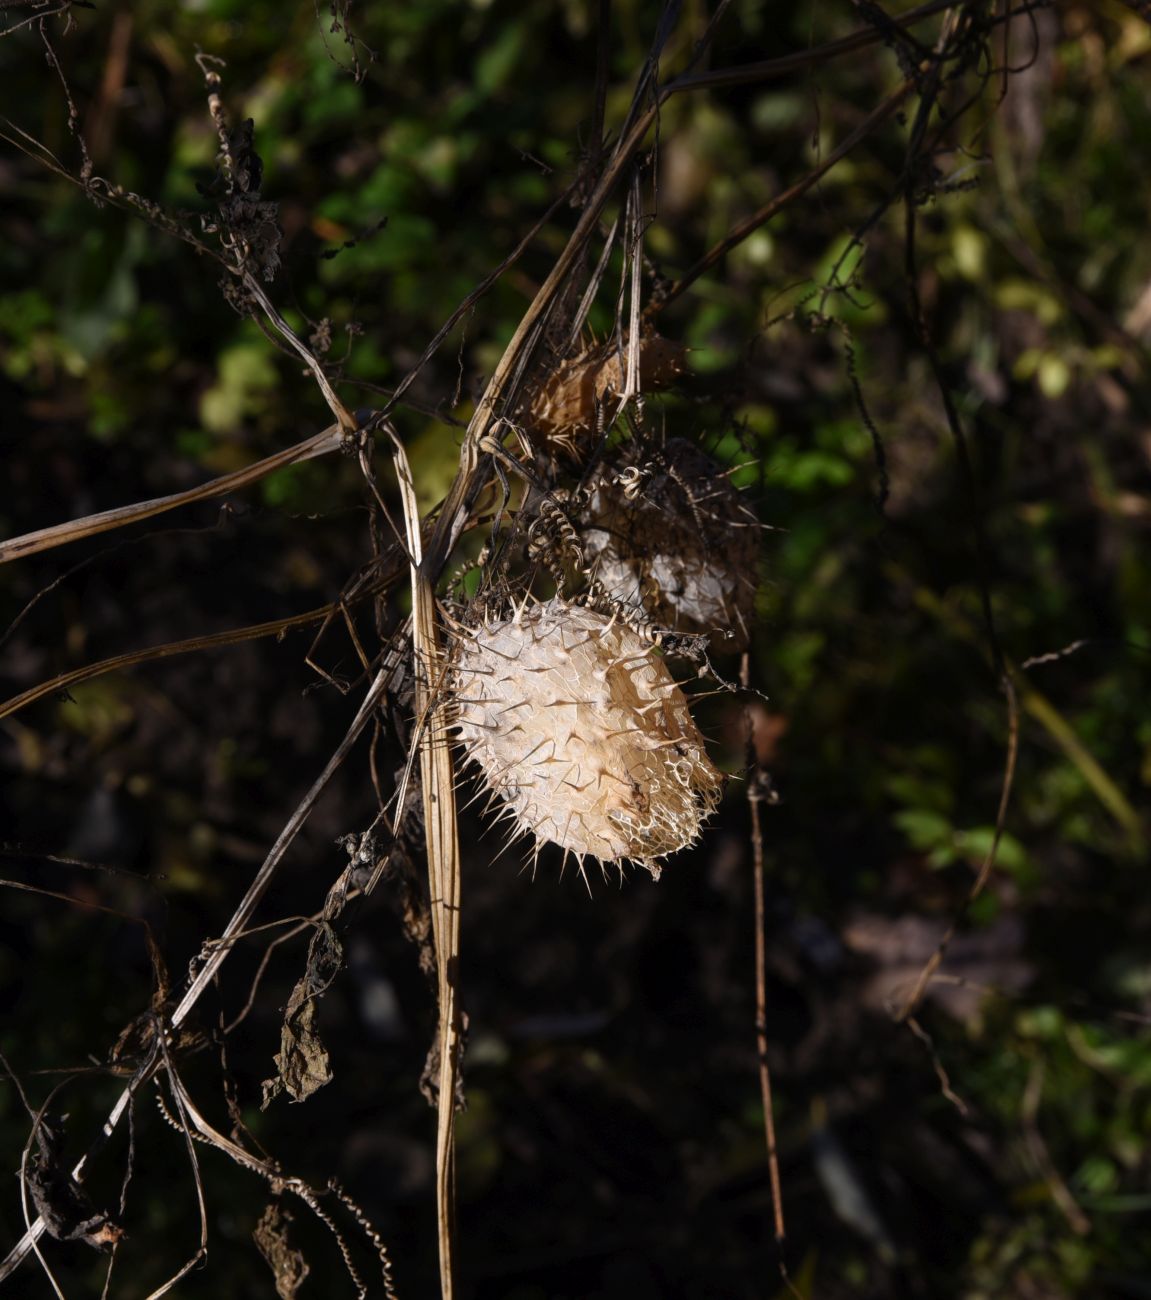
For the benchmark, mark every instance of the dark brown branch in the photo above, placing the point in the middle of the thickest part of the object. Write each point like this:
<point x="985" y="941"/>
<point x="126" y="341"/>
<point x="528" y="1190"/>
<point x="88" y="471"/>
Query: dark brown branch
<point x="777" y="204"/>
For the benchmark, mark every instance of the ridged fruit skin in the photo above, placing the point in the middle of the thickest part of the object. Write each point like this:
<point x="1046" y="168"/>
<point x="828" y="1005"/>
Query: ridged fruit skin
<point x="579" y="728"/>
<point x="684" y="550"/>
<point x="562" y="409"/>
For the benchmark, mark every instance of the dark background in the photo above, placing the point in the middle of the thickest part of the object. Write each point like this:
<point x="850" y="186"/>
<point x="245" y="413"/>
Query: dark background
<point x="613" y="1139"/>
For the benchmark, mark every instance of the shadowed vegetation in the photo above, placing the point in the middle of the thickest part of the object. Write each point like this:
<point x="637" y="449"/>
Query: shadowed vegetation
<point x="906" y="291"/>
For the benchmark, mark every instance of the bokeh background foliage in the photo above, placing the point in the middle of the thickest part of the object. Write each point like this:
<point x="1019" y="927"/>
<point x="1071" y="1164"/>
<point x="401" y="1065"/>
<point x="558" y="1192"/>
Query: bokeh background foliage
<point x="612" y="1143"/>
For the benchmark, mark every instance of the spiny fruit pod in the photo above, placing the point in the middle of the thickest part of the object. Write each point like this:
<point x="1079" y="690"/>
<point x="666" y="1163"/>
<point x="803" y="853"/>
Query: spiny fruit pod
<point x="579" y="729"/>
<point x="562" y="408"/>
<point x="670" y="536"/>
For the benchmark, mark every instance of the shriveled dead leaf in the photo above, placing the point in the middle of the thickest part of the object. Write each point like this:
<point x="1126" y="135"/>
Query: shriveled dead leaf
<point x="987" y="959"/>
<point x="302" y="1063"/>
<point x="288" y="1265"/>
<point x="68" y="1211"/>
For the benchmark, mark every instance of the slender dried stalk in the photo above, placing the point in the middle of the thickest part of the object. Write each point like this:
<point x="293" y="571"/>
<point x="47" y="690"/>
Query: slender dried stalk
<point x="443" y="853"/>
<point x="755" y="796"/>
<point x="64" y="681"/>
<point x="319" y="444"/>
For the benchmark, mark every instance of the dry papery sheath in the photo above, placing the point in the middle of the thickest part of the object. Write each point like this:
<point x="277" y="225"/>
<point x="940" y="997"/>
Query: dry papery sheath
<point x="562" y="408"/>
<point x="580" y="731"/>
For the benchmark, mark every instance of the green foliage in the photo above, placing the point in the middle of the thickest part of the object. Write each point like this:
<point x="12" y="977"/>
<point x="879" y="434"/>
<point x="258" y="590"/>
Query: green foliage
<point x="126" y="375"/>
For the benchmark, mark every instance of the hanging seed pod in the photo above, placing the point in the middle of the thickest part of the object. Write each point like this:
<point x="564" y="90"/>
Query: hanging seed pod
<point x="579" y="729"/>
<point x="562" y="409"/>
<point x="673" y="539"/>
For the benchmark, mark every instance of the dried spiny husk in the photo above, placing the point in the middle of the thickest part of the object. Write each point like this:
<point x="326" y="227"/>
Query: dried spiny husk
<point x="562" y="409"/>
<point x="579" y="728"/>
<point x="671" y="537"/>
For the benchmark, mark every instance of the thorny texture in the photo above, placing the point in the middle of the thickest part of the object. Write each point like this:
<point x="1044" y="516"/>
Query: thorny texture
<point x="571" y="716"/>
<point x="580" y="730"/>
<point x="673" y="539"/>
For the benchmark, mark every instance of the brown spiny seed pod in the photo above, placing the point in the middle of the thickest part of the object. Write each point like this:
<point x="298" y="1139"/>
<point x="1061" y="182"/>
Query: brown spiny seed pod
<point x="672" y="538"/>
<point x="580" y="730"/>
<point x="562" y="409"/>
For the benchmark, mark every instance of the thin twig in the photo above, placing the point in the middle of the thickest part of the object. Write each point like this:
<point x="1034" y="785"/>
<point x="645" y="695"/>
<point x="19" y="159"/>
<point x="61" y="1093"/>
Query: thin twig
<point x="344" y="418"/>
<point x="736" y="236"/>
<point x="193" y="1160"/>
<point x="755" y="796"/>
<point x="1029" y="1117"/>
<point x="937" y="1065"/>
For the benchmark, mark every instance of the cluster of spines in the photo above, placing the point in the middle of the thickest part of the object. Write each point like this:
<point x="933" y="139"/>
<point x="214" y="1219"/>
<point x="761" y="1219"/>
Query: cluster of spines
<point x="631" y="714"/>
<point x="672" y="540"/>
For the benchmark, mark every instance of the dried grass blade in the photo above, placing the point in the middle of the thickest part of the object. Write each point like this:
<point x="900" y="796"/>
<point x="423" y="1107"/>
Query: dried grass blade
<point x="213" y="641"/>
<point x="319" y="444"/>
<point x="443" y="850"/>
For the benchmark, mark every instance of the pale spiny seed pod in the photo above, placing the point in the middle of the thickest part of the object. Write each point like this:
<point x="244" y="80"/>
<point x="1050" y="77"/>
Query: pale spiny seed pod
<point x="562" y="409"/>
<point x="580" y="730"/>
<point x="670" y="537"/>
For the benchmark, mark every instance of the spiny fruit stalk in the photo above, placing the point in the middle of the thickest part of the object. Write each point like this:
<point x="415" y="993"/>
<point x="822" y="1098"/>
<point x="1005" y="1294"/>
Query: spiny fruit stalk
<point x="580" y="730"/>
<point x="671" y="537"/>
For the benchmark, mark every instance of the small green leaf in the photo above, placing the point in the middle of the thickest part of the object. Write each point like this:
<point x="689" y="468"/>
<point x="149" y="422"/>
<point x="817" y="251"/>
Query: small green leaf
<point x="924" y="829"/>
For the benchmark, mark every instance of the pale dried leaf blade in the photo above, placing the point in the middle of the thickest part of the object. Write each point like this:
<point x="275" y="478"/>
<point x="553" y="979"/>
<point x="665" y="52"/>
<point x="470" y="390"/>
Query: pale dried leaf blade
<point x="319" y="444"/>
<point x="442" y="850"/>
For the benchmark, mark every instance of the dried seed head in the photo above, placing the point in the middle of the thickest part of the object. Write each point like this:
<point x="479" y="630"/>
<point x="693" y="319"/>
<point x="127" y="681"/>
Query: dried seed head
<point x="578" y="727"/>
<point x="674" y="539"/>
<point x="562" y="409"/>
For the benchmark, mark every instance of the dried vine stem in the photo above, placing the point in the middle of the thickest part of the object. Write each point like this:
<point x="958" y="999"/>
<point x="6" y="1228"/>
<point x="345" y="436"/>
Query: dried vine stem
<point x="184" y="1109"/>
<point x="472" y="474"/>
<point x="344" y="418"/>
<point x="196" y="1126"/>
<point x="217" y="951"/>
<point x="427" y="564"/>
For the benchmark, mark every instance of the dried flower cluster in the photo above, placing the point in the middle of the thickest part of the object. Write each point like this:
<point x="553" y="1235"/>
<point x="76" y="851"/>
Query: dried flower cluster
<point x="578" y="727"/>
